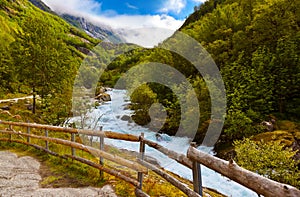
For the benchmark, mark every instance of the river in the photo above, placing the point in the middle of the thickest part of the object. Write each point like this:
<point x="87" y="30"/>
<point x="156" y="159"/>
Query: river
<point x="109" y="114"/>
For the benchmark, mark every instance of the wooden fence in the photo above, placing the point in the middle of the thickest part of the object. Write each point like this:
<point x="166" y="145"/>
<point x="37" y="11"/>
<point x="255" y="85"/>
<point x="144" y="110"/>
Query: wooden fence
<point x="192" y="160"/>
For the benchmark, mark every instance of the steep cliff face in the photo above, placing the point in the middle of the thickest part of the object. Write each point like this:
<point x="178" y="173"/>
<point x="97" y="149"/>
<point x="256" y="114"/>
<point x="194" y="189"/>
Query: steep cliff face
<point x="102" y="31"/>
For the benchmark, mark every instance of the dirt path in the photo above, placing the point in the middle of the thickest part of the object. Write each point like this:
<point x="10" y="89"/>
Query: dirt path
<point x="19" y="176"/>
<point x="15" y="99"/>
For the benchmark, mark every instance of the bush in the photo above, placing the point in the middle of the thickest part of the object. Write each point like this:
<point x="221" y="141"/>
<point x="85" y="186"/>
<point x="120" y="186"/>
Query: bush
<point x="268" y="159"/>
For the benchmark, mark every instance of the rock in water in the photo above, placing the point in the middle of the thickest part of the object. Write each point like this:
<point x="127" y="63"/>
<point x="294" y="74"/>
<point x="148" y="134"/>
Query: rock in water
<point x="126" y="118"/>
<point x="268" y="125"/>
<point x="103" y="97"/>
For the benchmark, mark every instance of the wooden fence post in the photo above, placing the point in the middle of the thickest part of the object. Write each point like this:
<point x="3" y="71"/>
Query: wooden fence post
<point x="91" y="141"/>
<point x="73" y="140"/>
<point x="28" y="132"/>
<point x="141" y="156"/>
<point x="101" y="148"/>
<point x="47" y="143"/>
<point x="197" y="180"/>
<point x="10" y="135"/>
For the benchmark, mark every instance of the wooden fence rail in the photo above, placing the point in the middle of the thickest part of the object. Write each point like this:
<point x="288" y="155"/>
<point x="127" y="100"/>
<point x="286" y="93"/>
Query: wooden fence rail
<point x="192" y="160"/>
<point x="180" y="158"/>
<point x="106" y="134"/>
<point x="132" y="165"/>
<point x="255" y="182"/>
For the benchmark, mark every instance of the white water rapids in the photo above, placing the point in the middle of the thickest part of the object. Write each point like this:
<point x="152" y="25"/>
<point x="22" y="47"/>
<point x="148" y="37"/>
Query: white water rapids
<point x="109" y="115"/>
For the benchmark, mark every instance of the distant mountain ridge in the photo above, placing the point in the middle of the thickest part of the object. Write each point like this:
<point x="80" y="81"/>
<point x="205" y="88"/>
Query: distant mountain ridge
<point x="101" y="32"/>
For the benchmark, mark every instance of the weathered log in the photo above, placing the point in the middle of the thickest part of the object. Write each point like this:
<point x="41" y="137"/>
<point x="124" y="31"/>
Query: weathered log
<point x="82" y="160"/>
<point x="107" y="134"/>
<point x="33" y="145"/>
<point x="115" y="173"/>
<point x="119" y="160"/>
<point x="40" y="126"/>
<point x="251" y="180"/>
<point x="170" y="179"/>
<point x="130" y="164"/>
<point x="111" y="135"/>
<point x="180" y="158"/>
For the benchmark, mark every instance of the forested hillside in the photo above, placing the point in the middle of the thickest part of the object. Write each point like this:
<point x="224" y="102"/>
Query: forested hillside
<point x="254" y="43"/>
<point x="40" y="54"/>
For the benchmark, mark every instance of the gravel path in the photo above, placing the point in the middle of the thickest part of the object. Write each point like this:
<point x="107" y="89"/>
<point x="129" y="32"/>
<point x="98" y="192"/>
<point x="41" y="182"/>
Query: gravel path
<point x="15" y="99"/>
<point x="19" y="176"/>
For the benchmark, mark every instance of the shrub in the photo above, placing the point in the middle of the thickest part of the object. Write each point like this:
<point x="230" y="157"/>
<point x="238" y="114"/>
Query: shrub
<point x="268" y="159"/>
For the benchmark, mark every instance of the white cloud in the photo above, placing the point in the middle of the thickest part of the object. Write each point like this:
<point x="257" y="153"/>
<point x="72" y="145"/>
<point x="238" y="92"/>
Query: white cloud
<point x="144" y="30"/>
<point x="173" y="6"/>
<point x="131" y="6"/>
<point x="146" y="37"/>
<point x="136" y="21"/>
<point x="85" y="8"/>
<point x="76" y="6"/>
<point x="134" y="28"/>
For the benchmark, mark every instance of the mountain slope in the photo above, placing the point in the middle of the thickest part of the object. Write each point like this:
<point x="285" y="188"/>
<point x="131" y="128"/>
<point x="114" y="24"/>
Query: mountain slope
<point x="40" y="53"/>
<point x="256" y="46"/>
<point x="97" y="31"/>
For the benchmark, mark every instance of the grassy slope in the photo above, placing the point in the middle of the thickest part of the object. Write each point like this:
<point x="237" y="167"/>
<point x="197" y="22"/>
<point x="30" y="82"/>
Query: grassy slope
<point x="13" y="13"/>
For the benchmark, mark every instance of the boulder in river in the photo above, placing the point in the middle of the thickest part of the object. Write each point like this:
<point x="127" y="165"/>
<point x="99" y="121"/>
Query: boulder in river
<point x="103" y="97"/>
<point x="127" y="106"/>
<point x="126" y="118"/>
<point x="102" y="90"/>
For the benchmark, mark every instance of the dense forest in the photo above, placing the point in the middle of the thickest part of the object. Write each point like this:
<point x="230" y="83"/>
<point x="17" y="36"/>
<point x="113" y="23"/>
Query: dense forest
<point x="254" y="43"/>
<point x="256" y="46"/>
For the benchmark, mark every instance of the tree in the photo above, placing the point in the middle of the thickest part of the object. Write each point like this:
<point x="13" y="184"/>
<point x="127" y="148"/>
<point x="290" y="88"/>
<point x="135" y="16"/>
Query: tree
<point x="44" y="62"/>
<point x="7" y="79"/>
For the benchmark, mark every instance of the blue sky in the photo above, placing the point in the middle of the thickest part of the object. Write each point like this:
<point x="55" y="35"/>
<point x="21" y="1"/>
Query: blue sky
<point x="123" y="15"/>
<point x="176" y="9"/>
<point x="179" y="9"/>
